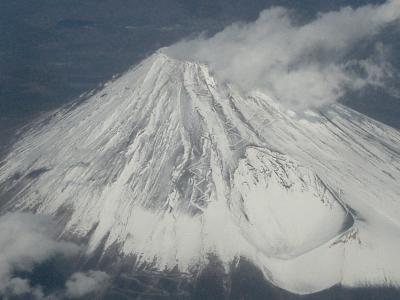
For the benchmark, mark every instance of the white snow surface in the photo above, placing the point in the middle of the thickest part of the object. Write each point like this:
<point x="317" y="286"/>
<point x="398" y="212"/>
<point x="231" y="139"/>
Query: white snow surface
<point x="167" y="164"/>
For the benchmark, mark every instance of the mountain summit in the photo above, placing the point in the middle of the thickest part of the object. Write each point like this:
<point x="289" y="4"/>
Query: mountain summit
<point x="167" y="165"/>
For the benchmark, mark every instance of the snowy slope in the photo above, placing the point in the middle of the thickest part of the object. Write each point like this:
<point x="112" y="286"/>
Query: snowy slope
<point x="168" y="164"/>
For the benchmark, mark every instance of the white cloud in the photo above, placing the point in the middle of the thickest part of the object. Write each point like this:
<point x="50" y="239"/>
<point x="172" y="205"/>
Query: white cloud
<point x="81" y="284"/>
<point x="25" y="241"/>
<point x="301" y="65"/>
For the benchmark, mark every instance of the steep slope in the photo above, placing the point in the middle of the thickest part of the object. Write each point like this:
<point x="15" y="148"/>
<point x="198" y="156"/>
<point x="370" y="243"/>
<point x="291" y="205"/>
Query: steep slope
<point x="170" y="166"/>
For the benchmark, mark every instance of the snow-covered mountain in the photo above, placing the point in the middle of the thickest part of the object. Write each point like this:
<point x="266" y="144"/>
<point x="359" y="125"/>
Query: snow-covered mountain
<point x="168" y="165"/>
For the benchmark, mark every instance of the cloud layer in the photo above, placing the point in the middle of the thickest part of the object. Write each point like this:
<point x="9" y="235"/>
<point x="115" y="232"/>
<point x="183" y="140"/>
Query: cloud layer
<point x="26" y="241"/>
<point x="81" y="284"/>
<point x="301" y="65"/>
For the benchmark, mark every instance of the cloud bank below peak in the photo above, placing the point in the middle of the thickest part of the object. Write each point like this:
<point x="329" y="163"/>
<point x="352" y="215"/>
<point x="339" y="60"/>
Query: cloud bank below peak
<point x="27" y="241"/>
<point x="301" y="65"/>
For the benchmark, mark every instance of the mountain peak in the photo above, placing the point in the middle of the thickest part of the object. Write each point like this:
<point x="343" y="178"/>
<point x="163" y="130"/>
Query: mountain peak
<point x="168" y="165"/>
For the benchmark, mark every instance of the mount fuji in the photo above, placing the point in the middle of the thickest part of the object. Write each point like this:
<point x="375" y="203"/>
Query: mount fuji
<point x="166" y="166"/>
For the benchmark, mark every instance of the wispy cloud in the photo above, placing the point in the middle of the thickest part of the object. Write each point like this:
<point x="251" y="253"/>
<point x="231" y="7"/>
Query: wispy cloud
<point x="301" y="65"/>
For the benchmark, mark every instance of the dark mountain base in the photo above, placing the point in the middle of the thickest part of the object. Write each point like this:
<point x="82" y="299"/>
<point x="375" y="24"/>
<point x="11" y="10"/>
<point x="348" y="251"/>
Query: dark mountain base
<point x="245" y="282"/>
